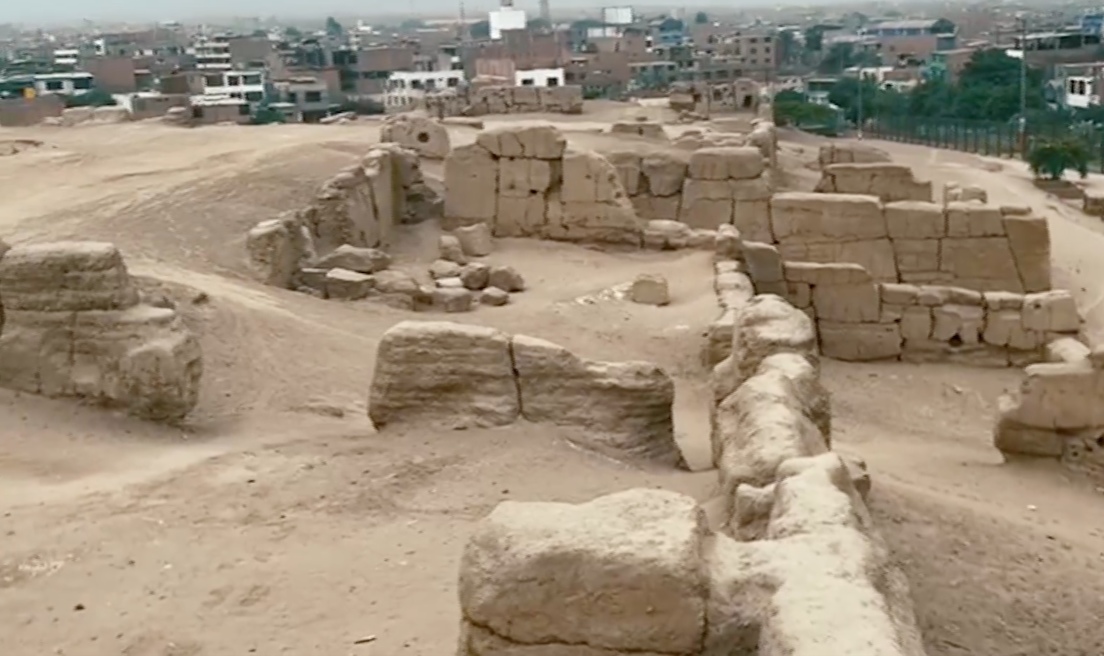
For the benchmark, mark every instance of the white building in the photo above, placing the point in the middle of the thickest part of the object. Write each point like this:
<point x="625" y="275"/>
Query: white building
<point x="66" y="57"/>
<point x="540" y="77"/>
<point x="235" y="85"/>
<point x="506" y="18"/>
<point x="407" y="88"/>
<point x="618" y="16"/>
<point x="66" y="84"/>
<point x="212" y="54"/>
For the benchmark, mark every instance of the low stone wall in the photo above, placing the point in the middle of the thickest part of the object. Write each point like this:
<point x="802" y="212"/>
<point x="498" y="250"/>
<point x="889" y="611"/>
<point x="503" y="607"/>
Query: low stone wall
<point x="860" y="319"/>
<point x="890" y="182"/>
<point x="358" y="208"/>
<point x="482" y="101"/>
<point x="1058" y="411"/>
<point x="72" y="324"/>
<point x="460" y="376"/>
<point x="796" y="568"/>
<point x="525" y="182"/>
<point x="81" y="115"/>
<point x="962" y="244"/>
<point x="850" y="154"/>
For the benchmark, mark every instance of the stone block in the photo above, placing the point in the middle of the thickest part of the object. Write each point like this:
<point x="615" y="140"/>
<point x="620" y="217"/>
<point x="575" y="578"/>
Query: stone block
<point x="853" y="303"/>
<point x="968" y="219"/>
<point x="1029" y="239"/>
<point x="1053" y="311"/>
<point x="958" y="324"/>
<point x="347" y="285"/>
<point x="981" y="258"/>
<point x="916" y="255"/>
<point x="859" y="342"/>
<point x="764" y="264"/>
<point x="650" y="289"/>
<point x="910" y="219"/>
<point x="813" y="217"/>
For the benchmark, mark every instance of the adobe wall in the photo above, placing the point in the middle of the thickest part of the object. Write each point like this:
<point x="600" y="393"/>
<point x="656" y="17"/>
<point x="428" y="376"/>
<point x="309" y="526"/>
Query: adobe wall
<point x="890" y="182"/>
<point x="850" y="154"/>
<point x="459" y="376"/>
<point x="795" y="568"/>
<point x="1058" y="410"/>
<point x="482" y="101"/>
<point x="72" y="324"/>
<point x="962" y="244"/>
<point x="358" y="207"/>
<point x="21" y="112"/>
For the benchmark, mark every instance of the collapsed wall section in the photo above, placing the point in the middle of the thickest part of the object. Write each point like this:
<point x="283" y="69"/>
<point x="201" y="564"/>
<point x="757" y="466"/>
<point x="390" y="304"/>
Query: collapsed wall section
<point x="1058" y="410"/>
<point x="72" y="325"/>
<point x="797" y="569"/>
<point x="460" y="376"/>
<point x="890" y="182"/>
<point x="500" y="99"/>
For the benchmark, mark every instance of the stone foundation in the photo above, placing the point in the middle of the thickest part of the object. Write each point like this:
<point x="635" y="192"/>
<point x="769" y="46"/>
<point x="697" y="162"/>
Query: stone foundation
<point x="890" y="182"/>
<point x="72" y="325"/>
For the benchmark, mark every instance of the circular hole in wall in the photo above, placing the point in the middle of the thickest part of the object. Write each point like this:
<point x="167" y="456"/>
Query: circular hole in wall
<point x="423" y="137"/>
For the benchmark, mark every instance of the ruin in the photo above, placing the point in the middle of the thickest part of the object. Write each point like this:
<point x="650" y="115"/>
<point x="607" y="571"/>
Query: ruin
<point x="458" y="376"/>
<point x="502" y="99"/>
<point x="424" y="136"/>
<point x="795" y="565"/>
<point x="72" y="324"/>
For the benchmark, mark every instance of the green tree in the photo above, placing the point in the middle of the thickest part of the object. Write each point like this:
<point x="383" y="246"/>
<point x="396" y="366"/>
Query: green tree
<point x="814" y="38"/>
<point x="787" y="46"/>
<point x="293" y="33"/>
<point x="538" y="24"/>
<point x="93" y="98"/>
<point x="701" y="18"/>
<point x="333" y="28"/>
<point x="838" y="57"/>
<point x="1051" y="159"/>
<point x="943" y="26"/>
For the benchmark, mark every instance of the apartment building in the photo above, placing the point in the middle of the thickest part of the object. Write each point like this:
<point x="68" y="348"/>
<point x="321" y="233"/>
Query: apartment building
<point x="910" y="41"/>
<point x="65" y="84"/>
<point x="1079" y="86"/>
<point x="309" y="97"/>
<point x="406" y="89"/>
<point x="212" y="53"/>
<point x="248" y="85"/>
<point x="365" y="71"/>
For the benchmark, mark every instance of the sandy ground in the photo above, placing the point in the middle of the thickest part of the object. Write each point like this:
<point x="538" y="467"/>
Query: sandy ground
<point x="277" y="521"/>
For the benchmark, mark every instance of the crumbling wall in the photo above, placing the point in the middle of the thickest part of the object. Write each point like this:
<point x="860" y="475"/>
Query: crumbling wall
<point x="1058" y="410"/>
<point x="525" y="182"/>
<point x="358" y="208"/>
<point x="859" y="318"/>
<point x="498" y="99"/>
<point x="704" y="189"/>
<point x="890" y="182"/>
<point x="72" y="325"/>
<point x="961" y="244"/>
<point x="796" y="568"/>
<point x="424" y="136"/>
<point x="461" y="376"/>
<point x="850" y="154"/>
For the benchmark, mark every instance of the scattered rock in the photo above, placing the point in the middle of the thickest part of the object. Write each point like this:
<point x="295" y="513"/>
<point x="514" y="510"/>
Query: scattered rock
<point x="475" y="275"/>
<point x="396" y="282"/>
<point x="475" y="240"/>
<point x="453" y="300"/>
<point x="449" y="249"/>
<point x="348" y="285"/>
<point x="650" y="289"/>
<point x="450" y="283"/>
<point x="444" y="269"/>
<point x="506" y="278"/>
<point x="494" y="297"/>
<point x="355" y="258"/>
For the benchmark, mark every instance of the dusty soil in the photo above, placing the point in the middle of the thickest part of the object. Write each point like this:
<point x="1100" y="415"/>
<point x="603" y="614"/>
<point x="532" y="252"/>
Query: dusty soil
<point x="277" y="521"/>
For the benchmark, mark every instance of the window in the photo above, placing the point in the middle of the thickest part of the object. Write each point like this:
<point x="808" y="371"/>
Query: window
<point x="82" y="83"/>
<point x="314" y="96"/>
<point x="236" y="95"/>
<point x="212" y="80"/>
<point x="233" y="80"/>
<point x="251" y="79"/>
<point x="416" y="84"/>
<point x="453" y="81"/>
<point x="254" y="96"/>
<point x="430" y="84"/>
<point x="197" y="112"/>
<point x="243" y="110"/>
<point x="552" y="82"/>
<point x="527" y="82"/>
<point x="53" y="85"/>
<point x="292" y="97"/>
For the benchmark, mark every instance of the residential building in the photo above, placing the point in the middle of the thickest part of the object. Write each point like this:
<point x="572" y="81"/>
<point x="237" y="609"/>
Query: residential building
<point x="212" y="53"/>
<point x="505" y="18"/>
<point x="1080" y="85"/>
<point x="539" y="77"/>
<point x="405" y="89"/>
<point x="113" y="74"/>
<point x="910" y="41"/>
<point x="309" y="96"/>
<point x="817" y="89"/>
<point x="248" y="86"/>
<point x="365" y="71"/>
<point x="67" y="57"/>
<point x="65" y="84"/>
<point x="1063" y="47"/>
<point x="209" y="111"/>
<point x="947" y="65"/>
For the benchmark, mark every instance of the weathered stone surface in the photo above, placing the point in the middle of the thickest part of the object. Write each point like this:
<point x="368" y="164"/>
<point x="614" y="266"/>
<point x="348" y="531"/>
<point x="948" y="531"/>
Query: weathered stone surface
<point x="637" y="582"/>
<point x="534" y="141"/>
<point x="444" y="269"/>
<point x="395" y="282"/>
<point x="453" y="299"/>
<point x="475" y="240"/>
<point x="890" y="182"/>
<point x="1054" y="311"/>
<point x="849" y="303"/>
<point x="347" y="285"/>
<point x="764" y="264"/>
<point x="443" y="373"/>
<point x="353" y="258"/>
<point x="911" y="219"/>
<point x="664" y="173"/>
<point x="277" y="249"/>
<point x="624" y="408"/>
<point x="726" y="163"/>
<point x="422" y="135"/>
<point x="860" y="342"/>
<point x="766" y="325"/>
<point x="969" y="219"/>
<point x="71" y="325"/>
<point x="1029" y="239"/>
<point x="650" y="289"/>
<point x="494" y="297"/>
<point x="471" y="182"/>
<point x="506" y="278"/>
<point x="449" y="249"/>
<point x="475" y="276"/>
<point x="812" y="217"/>
<point x="666" y="235"/>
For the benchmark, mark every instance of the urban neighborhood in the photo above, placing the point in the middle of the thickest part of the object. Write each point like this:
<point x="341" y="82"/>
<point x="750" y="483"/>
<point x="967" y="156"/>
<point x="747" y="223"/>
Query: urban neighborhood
<point x="540" y="328"/>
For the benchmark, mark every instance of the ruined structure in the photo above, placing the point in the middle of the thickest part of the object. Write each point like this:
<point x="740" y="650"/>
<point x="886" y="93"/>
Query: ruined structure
<point x="890" y="182"/>
<point x="357" y="208"/>
<point x="836" y="153"/>
<point x="481" y="101"/>
<point x="796" y="566"/>
<point x="424" y="136"/>
<point x="459" y="376"/>
<point x="72" y="325"/>
<point x="1057" y="411"/>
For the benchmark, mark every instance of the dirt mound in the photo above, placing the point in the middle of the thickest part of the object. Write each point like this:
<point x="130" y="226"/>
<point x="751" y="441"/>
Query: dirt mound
<point x="16" y="146"/>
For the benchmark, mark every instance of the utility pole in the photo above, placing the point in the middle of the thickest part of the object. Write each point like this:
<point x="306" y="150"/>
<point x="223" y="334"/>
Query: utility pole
<point x="1023" y="82"/>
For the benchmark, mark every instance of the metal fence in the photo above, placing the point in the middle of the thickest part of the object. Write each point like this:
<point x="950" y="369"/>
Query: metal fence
<point x="991" y="138"/>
